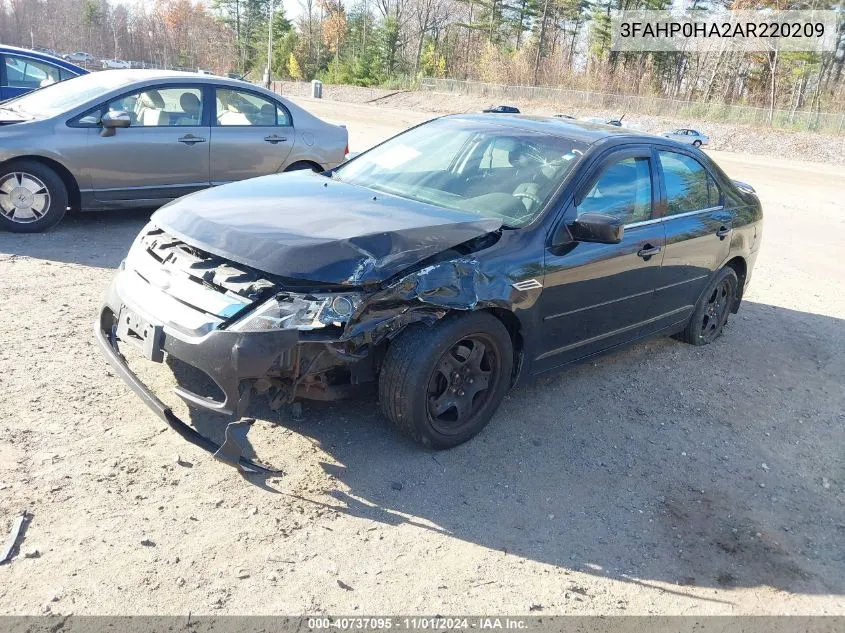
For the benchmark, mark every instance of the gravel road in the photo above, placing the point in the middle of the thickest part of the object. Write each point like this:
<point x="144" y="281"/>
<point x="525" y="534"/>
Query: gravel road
<point x="662" y="479"/>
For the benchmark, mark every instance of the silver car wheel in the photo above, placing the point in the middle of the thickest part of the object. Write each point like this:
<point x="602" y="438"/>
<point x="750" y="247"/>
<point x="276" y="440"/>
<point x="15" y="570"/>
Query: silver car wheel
<point x="23" y="197"/>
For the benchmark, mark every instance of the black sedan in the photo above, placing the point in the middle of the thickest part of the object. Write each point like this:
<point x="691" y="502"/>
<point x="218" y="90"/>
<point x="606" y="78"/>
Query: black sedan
<point x="447" y="264"/>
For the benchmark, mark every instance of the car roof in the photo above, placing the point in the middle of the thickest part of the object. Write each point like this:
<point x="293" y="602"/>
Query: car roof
<point x="582" y="131"/>
<point x="44" y="57"/>
<point x="136" y="75"/>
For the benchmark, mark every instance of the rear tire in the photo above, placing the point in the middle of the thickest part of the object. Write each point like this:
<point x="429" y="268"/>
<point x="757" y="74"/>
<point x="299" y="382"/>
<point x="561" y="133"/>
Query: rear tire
<point x="304" y="166"/>
<point x="711" y="312"/>
<point x="32" y="197"/>
<point x="441" y="385"/>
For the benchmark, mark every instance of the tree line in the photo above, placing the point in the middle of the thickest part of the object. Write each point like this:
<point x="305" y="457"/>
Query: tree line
<point x="562" y="43"/>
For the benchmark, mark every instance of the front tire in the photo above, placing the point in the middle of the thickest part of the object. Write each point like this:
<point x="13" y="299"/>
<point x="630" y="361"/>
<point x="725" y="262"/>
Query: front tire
<point x="696" y="143"/>
<point x="32" y="197"/>
<point x="711" y="312"/>
<point x="441" y="385"/>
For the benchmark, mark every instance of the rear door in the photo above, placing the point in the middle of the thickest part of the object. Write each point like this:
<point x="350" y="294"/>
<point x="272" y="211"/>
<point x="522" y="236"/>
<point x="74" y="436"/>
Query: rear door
<point x="251" y="135"/>
<point x="164" y="153"/>
<point x="597" y="296"/>
<point x="698" y="229"/>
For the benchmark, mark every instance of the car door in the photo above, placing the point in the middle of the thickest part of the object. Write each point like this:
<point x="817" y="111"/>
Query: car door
<point x="596" y="296"/>
<point x="698" y="229"/>
<point x="20" y="74"/>
<point x="252" y="135"/>
<point x="162" y="155"/>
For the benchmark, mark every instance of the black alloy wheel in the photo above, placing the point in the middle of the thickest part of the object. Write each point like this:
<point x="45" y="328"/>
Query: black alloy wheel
<point x="712" y="310"/>
<point x="717" y="308"/>
<point x="441" y="384"/>
<point x="459" y="386"/>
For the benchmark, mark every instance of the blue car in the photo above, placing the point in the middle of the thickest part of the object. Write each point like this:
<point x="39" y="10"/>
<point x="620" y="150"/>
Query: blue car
<point x="23" y="70"/>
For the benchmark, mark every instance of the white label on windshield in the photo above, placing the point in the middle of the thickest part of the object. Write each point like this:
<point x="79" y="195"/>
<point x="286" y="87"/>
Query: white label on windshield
<point x="396" y="156"/>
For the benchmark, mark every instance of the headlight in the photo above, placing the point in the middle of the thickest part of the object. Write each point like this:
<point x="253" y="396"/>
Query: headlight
<point x="299" y="312"/>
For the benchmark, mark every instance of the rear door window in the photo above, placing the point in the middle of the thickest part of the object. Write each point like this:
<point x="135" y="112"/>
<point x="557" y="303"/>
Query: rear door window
<point x="241" y="108"/>
<point x="22" y="72"/>
<point x="689" y="187"/>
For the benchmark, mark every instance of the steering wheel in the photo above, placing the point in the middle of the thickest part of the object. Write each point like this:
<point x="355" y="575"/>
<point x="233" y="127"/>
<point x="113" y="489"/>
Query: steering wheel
<point x="527" y="192"/>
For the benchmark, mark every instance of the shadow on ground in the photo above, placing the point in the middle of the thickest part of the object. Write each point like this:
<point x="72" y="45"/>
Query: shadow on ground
<point x="98" y="239"/>
<point x="663" y="462"/>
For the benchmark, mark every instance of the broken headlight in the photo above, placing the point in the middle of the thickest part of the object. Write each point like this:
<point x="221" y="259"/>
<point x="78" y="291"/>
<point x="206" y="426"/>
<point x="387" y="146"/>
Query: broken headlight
<point x="299" y="312"/>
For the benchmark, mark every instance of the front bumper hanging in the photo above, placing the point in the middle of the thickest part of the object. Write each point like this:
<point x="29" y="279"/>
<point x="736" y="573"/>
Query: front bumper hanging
<point x="230" y="451"/>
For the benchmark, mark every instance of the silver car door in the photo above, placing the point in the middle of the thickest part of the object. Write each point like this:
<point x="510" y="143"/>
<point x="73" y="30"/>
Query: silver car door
<point x="162" y="155"/>
<point x="251" y="135"/>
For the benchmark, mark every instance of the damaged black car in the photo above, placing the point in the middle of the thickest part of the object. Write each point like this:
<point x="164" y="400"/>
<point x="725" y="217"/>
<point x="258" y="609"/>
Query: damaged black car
<point x="447" y="264"/>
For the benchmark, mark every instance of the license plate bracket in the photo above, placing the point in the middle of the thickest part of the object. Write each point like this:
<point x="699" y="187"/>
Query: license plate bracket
<point x="139" y="332"/>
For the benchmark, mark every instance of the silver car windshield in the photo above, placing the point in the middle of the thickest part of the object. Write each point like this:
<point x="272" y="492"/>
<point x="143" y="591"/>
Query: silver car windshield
<point x="495" y="171"/>
<point x="57" y="98"/>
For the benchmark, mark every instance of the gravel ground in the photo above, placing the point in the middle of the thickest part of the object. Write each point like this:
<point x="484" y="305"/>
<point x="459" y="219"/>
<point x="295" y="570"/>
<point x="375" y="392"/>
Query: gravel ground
<point x="662" y="479"/>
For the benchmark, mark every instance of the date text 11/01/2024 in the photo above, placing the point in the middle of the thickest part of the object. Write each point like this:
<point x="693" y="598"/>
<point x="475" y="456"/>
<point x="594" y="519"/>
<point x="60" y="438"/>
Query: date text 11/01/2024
<point x="417" y="623"/>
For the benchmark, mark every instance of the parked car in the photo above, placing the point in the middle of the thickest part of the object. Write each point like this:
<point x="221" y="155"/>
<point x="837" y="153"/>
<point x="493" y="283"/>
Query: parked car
<point x="139" y="138"/>
<point x="448" y="263"/>
<point x="564" y="116"/>
<point x="79" y="57"/>
<point x="686" y="135"/>
<point x="503" y="109"/>
<point x="117" y="64"/>
<point x="23" y="70"/>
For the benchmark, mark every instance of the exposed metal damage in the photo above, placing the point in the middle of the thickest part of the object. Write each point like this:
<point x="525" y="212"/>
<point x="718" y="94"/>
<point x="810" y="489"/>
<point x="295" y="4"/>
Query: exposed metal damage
<point x="327" y="362"/>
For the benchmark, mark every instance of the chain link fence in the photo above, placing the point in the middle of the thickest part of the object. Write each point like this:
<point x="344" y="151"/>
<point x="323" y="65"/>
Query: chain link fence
<point x="830" y="123"/>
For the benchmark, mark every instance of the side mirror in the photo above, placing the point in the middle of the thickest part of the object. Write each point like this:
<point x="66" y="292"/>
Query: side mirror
<point x="110" y="121"/>
<point x="597" y="227"/>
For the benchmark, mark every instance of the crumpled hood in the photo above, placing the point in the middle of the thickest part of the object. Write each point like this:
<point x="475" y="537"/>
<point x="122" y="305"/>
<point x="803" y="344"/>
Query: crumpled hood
<point x="305" y="226"/>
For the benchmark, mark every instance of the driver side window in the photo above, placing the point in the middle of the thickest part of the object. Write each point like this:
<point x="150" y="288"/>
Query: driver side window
<point x="623" y="191"/>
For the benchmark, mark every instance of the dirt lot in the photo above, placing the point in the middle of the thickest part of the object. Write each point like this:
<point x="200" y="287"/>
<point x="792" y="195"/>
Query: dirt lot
<point x="664" y="479"/>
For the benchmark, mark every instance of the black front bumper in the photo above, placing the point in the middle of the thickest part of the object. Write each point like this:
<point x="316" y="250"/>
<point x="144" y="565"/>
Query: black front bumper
<point x="108" y="345"/>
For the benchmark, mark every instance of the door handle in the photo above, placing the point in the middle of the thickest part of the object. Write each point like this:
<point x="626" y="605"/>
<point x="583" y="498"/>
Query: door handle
<point x="275" y="139"/>
<point x="190" y="139"/>
<point x="647" y="251"/>
<point x="723" y="232"/>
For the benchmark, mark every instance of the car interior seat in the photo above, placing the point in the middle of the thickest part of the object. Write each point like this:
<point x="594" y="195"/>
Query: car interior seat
<point x="192" y="108"/>
<point x="266" y="115"/>
<point x="150" y="109"/>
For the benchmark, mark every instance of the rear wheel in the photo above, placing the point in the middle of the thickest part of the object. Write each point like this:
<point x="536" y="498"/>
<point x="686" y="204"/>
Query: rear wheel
<point x="712" y="310"/>
<point x="441" y="385"/>
<point x="304" y="166"/>
<point x="32" y="197"/>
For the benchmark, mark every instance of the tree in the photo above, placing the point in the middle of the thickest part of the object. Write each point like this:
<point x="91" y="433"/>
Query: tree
<point x="294" y="70"/>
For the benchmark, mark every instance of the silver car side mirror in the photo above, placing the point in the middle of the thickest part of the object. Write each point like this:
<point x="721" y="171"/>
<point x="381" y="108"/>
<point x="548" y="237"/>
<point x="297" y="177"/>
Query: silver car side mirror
<point x="110" y="121"/>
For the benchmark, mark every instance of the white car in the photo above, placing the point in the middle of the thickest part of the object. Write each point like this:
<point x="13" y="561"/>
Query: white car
<point x="686" y="135"/>
<point x="79" y="57"/>
<point x="115" y="64"/>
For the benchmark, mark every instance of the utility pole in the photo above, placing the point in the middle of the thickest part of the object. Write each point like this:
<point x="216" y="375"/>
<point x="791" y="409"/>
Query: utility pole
<point x="267" y="77"/>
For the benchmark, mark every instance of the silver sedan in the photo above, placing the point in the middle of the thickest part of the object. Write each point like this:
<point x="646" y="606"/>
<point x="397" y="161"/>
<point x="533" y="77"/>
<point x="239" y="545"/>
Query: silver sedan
<point x="140" y="138"/>
<point x="686" y="135"/>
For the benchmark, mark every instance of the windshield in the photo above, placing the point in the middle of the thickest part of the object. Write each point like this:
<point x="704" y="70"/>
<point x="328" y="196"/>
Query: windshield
<point x="57" y="98"/>
<point x="495" y="171"/>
